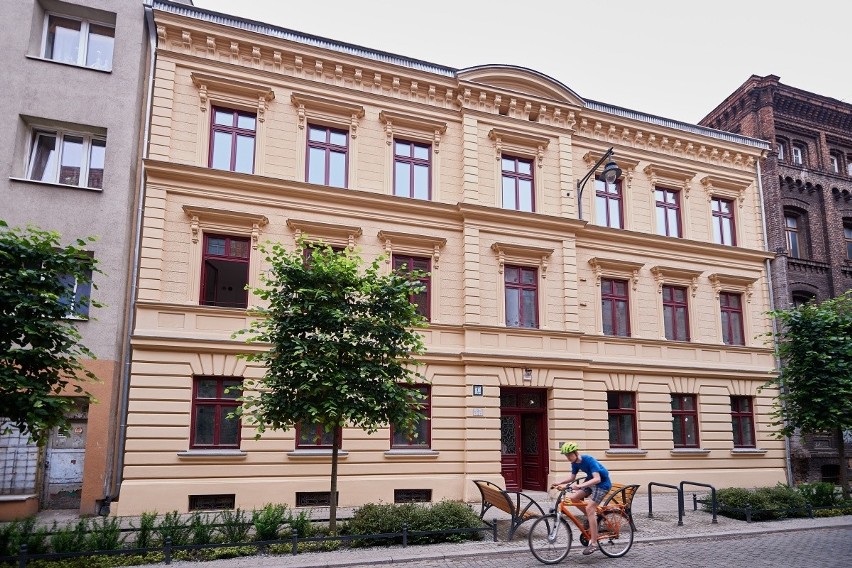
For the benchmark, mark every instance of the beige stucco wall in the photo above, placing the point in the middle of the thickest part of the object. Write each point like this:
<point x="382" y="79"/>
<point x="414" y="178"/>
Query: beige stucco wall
<point x="468" y="343"/>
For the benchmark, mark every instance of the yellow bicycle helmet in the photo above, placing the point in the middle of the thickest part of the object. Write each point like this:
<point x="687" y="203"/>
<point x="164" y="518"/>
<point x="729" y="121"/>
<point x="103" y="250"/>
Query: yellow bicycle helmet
<point x="568" y="448"/>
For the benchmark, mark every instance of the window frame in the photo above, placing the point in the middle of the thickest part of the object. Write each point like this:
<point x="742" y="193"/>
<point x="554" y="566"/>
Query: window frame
<point x="794" y="233"/>
<point x="682" y="415"/>
<point x="676" y="206"/>
<point x="205" y="255"/>
<point x="847" y="237"/>
<point x="234" y="131"/>
<point x="517" y="177"/>
<point x="327" y="147"/>
<point x="834" y="160"/>
<point x="424" y="310"/>
<point x="621" y="412"/>
<point x="82" y="43"/>
<point x="520" y="287"/>
<point x="219" y="402"/>
<point x="426" y="412"/>
<point x="603" y="195"/>
<point x="781" y="149"/>
<point x="720" y="218"/>
<point x="88" y="142"/>
<point x="743" y="415"/>
<point x="612" y="297"/>
<point x="672" y="305"/>
<point x="725" y="308"/>
<point x="797" y="154"/>
<point x="321" y="446"/>
<point x="412" y="161"/>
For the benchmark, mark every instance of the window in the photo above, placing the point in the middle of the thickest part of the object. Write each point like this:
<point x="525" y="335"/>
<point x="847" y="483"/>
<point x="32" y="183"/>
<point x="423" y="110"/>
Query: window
<point x="802" y="298"/>
<point x="723" y="221"/>
<point x="847" y="235"/>
<point x="521" y="296"/>
<point x="622" y="419"/>
<point x="78" y="42"/>
<point x="608" y="211"/>
<point x="791" y="230"/>
<point x="224" y="272"/>
<point x="849" y="165"/>
<point x="798" y="154"/>
<point x="675" y="313"/>
<point x="409" y="263"/>
<point x="668" y="212"/>
<point x="684" y="421"/>
<point x="67" y="158"/>
<point x="834" y="163"/>
<point x="517" y="184"/>
<point x="780" y="146"/>
<point x="421" y="437"/>
<point x="213" y="399"/>
<point x="327" y="156"/>
<point x="232" y="140"/>
<point x="411" y="165"/>
<point x="732" y="318"/>
<point x="614" y="307"/>
<point x="742" y="420"/>
<point x="314" y="436"/>
<point x="76" y="297"/>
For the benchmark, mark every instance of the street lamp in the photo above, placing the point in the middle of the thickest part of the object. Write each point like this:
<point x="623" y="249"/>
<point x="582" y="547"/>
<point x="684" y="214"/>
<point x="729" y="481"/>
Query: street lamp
<point x="611" y="173"/>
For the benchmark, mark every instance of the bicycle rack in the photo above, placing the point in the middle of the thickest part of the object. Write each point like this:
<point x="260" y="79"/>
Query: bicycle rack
<point x="680" y="503"/>
<point x="679" y="500"/>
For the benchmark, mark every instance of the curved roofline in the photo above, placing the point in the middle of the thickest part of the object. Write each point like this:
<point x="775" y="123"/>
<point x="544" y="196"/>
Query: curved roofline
<point x="544" y="76"/>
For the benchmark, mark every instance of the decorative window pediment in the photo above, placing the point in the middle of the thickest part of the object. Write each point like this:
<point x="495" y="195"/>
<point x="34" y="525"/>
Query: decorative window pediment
<point x="732" y="283"/>
<point x="329" y="233"/>
<point x="409" y="243"/>
<point x="666" y="275"/>
<point x="522" y="254"/>
<point x="614" y="268"/>
<point x="673" y="176"/>
<point x="252" y="96"/>
<point x="716" y="186"/>
<point x="224" y="220"/>
<point x="312" y="107"/>
<point x="518" y="143"/>
<point x="409" y="126"/>
<point x="626" y="163"/>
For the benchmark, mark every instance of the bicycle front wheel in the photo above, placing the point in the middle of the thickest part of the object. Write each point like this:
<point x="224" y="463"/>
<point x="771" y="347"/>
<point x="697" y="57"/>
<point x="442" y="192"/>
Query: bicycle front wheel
<point x="550" y="539"/>
<point x="616" y="534"/>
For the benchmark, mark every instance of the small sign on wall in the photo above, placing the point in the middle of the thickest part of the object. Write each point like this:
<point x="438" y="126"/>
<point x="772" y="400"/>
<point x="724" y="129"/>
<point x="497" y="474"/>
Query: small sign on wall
<point x="477" y="390"/>
<point x="478" y="412"/>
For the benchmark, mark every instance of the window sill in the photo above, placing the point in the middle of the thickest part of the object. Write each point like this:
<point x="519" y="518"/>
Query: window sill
<point x="55" y="184"/>
<point x="413" y="453"/>
<point x="626" y="452"/>
<point x="318" y="453"/>
<point x="689" y="452"/>
<point x="191" y="454"/>
<point x="747" y="452"/>
<point x="66" y="64"/>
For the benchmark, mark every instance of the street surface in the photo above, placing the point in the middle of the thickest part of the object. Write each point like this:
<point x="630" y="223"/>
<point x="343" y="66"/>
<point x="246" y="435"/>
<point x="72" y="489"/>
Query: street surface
<point x="822" y="548"/>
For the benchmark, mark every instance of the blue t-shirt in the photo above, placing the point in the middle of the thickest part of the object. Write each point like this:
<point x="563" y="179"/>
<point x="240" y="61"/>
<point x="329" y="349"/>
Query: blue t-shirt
<point x="589" y="465"/>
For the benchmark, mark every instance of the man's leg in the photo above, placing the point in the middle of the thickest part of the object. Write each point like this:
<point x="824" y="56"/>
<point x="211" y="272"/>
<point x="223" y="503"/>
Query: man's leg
<point x="591" y="514"/>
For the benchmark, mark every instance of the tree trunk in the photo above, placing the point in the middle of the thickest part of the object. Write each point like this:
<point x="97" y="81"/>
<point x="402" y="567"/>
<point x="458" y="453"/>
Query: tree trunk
<point x="844" y="467"/>
<point x="332" y="498"/>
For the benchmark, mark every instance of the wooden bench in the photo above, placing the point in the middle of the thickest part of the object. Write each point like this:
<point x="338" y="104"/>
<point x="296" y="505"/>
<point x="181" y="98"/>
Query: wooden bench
<point x="519" y="506"/>
<point x="621" y="494"/>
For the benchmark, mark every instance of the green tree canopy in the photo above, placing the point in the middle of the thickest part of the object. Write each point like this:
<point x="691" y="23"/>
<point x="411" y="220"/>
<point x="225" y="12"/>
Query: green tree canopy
<point x="341" y="345"/>
<point x="815" y="382"/>
<point x="40" y="348"/>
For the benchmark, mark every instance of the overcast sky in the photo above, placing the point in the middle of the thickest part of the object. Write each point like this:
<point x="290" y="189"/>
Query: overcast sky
<point x="673" y="58"/>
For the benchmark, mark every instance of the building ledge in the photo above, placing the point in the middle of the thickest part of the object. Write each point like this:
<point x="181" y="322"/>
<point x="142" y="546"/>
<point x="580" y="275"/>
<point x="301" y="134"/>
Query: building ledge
<point x="414" y="453"/>
<point x="14" y="498"/>
<point x="690" y="452"/>
<point x="66" y="64"/>
<point x="54" y="184"/>
<point x="747" y="452"/>
<point x="317" y="453"/>
<point x="192" y="454"/>
<point x="626" y="452"/>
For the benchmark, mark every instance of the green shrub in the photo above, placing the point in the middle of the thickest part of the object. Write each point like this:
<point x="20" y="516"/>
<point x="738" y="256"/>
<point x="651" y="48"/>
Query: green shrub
<point x="766" y="503"/>
<point x="70" y="538"/>
<point x="235" y="526"/>
<point x="203" y="528"/>
<point x="105" y="535"/>
<point x="385" y="518"/>
<point x="16" y="533"/>
<point x="268" y="521"/>
<point x="302" y="524"/>
<point x="145" y="530"/>
<point x="175" y="527"/>
<point x="820" y="494"/>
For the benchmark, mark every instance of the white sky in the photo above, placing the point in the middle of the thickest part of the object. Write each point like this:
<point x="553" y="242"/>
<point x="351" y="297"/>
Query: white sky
<point x="673" y="58"/>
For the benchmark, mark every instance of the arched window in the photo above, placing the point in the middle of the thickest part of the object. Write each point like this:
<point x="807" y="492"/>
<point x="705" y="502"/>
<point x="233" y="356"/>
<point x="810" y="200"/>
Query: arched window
<point x="781" y="148"/>
<point x="802" y="298"/>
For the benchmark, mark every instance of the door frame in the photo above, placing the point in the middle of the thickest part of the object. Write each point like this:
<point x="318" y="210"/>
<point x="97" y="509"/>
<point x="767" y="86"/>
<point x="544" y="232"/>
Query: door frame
<point x="521" y="411"/>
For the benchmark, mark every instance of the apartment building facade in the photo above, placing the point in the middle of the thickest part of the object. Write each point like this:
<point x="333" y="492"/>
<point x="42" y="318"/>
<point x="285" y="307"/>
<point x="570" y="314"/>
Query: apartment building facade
<point x="71" y="108"/>
<point x="635" y="331"/>
<point x="807" y="187"/>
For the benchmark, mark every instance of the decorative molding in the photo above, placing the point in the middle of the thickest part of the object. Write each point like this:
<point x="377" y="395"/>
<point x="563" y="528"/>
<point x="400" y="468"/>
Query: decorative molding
<point x="626" y="163"/>
<point x="516" y="141"/>
<point x="734" y="283"/>
<point x="312" y="106"/>
<point x="509" y="252"/>
<point x="669" y="275"/>
<point x="408" y="125"/>
<point x="417" y="244"/>
<point x="725" y="187"/>
<point x="226" y="219"/>
<point x="615" y="268"/>
<point x="248" y="94"/>
<point x="329" y="233"/>
<point x="674" y="176"/>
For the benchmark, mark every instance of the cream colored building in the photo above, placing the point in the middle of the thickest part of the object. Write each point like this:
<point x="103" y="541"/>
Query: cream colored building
<point x="544" y="328"/>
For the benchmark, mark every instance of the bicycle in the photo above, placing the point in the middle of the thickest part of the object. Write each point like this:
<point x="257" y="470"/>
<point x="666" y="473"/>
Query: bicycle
<point x="550" y="536"/>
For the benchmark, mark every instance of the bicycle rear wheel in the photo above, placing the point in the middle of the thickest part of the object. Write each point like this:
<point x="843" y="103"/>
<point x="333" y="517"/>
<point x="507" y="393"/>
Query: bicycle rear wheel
<point x="550" y="540"/>
<point x="617" y="539"/>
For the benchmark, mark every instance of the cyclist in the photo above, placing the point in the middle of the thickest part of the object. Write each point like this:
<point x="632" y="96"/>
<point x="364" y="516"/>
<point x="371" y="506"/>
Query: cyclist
<point x="592" y="489"/>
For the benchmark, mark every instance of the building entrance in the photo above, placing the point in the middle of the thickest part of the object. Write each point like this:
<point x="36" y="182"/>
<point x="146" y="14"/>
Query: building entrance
<point x="523" y="439"/>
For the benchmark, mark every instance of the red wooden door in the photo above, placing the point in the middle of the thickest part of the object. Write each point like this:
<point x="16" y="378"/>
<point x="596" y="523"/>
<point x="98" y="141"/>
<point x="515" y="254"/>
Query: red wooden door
<point x="523" y="439"/>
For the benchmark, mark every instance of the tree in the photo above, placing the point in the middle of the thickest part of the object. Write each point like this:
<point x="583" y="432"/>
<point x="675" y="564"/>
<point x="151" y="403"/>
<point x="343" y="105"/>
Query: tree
<point x="40" y="347"/>
<point x="815" y="382"/>
<point x="342" y="343"/>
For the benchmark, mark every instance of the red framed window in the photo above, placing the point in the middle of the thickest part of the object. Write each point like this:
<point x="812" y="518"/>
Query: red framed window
<point x="742" y="420"/>
<point x="723" y="221"/>
<point x="676" y="313"/>
<point x="224" y="271"/>
<point x="232" y="137"/>
<point x="213" y="399"/>
<point x="847" y="236"/>
<point x="685" y="421"/>
<point x="621" y="407"/>
<point x="412" y="163"/>
<point x="615" y="307"/>
<point x="407" y="264"/>
<point x="314" y="436"/>
<point x="668" y="212"/>
<point x="328" y="156"/>
<point x="521" y="296"/>
<point x="422" y="435"/>
<point x="608" y="204"/>
<point x="517" y="179"/>
<point x="731" y="306"/>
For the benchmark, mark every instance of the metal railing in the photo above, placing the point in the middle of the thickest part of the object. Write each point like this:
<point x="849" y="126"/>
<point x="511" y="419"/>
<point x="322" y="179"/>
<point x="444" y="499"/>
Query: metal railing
<point x="713" y="504"/>
<point x="679" y="500"/>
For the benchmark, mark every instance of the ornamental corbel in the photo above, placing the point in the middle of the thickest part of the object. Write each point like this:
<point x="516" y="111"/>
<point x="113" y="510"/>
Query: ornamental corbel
<point x="543" y="264"/>
<point x="297" y="63"/>
<point x="318" y="68"/>
<point x="255" y="235"/>
<point x="276" y="60"/>
<point x="359" y="76"/>
<point x="261" y="108"/>
<point x="436" y="255"/>
<point x="571" y="121"/>
<point x="300" y="111"/>
<point x="211" y="46"/>
<point x="694" y="286"/>
<point x="501" y="260"/>
<point x="353" y="125"/>
<point x="235" y="52"/>
<point x="598" y="270"/>
<point x="540" y="155"/>
<point x="388" y="251"/>
<point x="687" y="185"/>
<point x="195" y="227"/>
<point x="186" y="39"/>
<point x="717" y="285"/>
<point x="389" y="132"/>
<point x="338" y="71"/>
<point x="498" y="147"/>
<point x="161" y="33"/>
<point x="202" y="97"/>
<point x="658" y="278"/>
<point x="351" y="242"/>
<point x="635" y="279"/>
<point x="436" y="141"/>
<point x="255" y="55"/>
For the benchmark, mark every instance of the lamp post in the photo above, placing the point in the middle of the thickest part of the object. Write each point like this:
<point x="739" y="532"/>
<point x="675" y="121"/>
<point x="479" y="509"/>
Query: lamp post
<point x="610" y="174"/>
